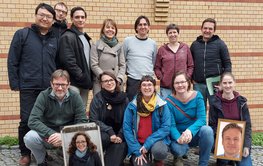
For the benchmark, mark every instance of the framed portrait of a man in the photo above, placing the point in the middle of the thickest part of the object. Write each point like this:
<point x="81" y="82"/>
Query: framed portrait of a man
<point x="229" y="139"/>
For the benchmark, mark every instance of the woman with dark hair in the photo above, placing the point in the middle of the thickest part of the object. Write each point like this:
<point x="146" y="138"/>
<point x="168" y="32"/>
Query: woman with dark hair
<point x="82" y="152"/>
<point x="107" y="54"/>
<point x="172" y="57"/>
<point x="147" y="125"/>
<point x="107" y="110"/>
<point x="229" y="104"/>
<point x="188" y="121"/>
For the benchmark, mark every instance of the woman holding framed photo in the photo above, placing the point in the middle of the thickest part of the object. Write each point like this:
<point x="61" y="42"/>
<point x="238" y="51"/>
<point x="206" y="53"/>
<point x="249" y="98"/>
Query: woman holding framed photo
<point x="229" y="104"/>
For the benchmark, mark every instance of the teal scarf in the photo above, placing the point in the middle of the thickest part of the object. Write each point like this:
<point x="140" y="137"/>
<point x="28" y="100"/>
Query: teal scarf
<point x="113" y="42"/>
<point x="80" y="154"/>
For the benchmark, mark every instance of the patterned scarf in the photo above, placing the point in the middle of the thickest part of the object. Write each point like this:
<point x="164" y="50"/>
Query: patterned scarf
<point x="148" y="107"/>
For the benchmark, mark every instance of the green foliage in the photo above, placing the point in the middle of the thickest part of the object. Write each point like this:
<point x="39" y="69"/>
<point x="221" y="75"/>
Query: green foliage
<point x="257" y="139"/>
<point x="8" y="140"/>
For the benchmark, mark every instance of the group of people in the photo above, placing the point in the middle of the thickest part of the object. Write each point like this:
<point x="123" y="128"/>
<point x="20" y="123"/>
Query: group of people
<point x="54" y="67"/>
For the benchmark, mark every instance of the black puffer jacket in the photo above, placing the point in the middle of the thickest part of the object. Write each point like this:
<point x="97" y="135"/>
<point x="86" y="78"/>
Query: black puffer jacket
<point x="31" y="59"/>
<point x="72" y="58"/>
<point x="216" y="112"/>
<point x="211" y="58"/>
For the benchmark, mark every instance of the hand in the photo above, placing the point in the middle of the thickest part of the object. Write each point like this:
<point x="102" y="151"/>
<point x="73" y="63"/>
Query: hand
<point x="55" y="139"/>
<point x="245" y="151"/>
<point x="113" y="138"/>
<point x="218" y="87"/>
<point x="143" y="150"/>
<point x="187" y="134"/>
<point x="118" y="140"/>
<point x="139" y="160"/>
<point x="180" y="140"/>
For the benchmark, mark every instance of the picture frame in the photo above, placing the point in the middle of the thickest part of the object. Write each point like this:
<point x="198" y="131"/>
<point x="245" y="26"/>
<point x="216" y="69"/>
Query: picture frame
<point x="91" y="129"/>
<point x="229" y="140"/>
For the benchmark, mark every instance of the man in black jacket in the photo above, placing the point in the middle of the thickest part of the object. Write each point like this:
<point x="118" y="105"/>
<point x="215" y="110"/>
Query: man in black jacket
<point x="210" y="55"/>
<point x="31" y="61"/>
<point x="60" y="24"/>
<point x="74" y="54"/>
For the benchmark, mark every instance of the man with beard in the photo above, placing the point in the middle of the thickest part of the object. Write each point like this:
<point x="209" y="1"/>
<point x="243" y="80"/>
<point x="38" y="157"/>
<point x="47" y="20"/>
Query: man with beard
<point x="55" y="107"/>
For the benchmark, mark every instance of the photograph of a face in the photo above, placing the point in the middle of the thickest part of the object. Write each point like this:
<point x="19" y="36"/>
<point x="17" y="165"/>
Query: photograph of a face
<point x="81" y="135"/>
<point x="229" y="139"/>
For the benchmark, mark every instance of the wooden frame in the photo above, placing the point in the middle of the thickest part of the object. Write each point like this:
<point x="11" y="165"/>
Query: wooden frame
<point x="220" y="149"/>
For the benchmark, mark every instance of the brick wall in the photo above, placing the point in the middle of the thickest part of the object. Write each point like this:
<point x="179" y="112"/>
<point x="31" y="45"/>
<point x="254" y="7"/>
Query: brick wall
<point x="239" y="25"/>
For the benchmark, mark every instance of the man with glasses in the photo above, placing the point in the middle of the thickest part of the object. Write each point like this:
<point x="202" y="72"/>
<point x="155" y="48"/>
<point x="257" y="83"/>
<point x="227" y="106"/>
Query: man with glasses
<point x="55" y="107"/>
<point x="31" y="60"/>
<point x="74" y="53"/>
<point x="60" y="24"/>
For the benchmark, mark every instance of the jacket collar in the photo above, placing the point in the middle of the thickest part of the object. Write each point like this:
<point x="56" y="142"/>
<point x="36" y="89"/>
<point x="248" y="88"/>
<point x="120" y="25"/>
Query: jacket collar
<point x="213" y="38"/>
<point x="75" y="30"/>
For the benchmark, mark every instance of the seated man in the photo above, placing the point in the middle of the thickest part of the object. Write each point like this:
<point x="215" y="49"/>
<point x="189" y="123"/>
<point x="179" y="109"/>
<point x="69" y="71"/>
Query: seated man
<point x="54" y="108"/>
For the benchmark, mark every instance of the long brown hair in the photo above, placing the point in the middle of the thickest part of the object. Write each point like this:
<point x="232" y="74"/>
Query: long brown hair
<point x="72" y="146"/>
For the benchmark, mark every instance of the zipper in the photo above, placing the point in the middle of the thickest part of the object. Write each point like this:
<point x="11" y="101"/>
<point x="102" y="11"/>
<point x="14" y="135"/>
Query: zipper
<point x="204" y="59"/>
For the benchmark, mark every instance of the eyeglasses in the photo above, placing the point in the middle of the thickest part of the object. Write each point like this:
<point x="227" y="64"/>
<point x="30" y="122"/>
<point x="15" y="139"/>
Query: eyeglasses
<point x="61" y="11"/>
<point x="181" y="82"/>
<point x="108" y="81"/>
<point x="146" y="85"/>
<point x="41" y="16"/>
<point x="56" y="85"/>
<point x="80" y="142"/>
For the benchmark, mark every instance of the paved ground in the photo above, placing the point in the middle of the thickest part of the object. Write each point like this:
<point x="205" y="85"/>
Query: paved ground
<point x="9" y="157"/>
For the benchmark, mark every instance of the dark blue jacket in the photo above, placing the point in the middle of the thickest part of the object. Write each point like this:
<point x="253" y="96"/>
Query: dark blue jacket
<point x="31" y="59"/>
<point x="211" y="58"/>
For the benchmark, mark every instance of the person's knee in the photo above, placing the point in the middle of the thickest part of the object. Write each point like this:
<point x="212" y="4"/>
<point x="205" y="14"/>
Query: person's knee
<point x="31" y="139"/>
<point x="178" y="149"/>
<point x="206" y="132"/>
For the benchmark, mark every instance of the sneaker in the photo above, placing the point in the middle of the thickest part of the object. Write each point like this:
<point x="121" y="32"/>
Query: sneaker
<point x="178" y="161"/>
<point x="158" y="163"/>
<point x="25" y="160"/>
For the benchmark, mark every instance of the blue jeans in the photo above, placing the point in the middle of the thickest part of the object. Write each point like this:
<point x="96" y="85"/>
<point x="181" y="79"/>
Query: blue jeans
<point x="202" y="88"/>
<point x="204" y="139"/>
<point x="159" y="150"/>
<point x="165" y="92"/>
<point x="246" y="161"/>
<point x="37" y="145"/>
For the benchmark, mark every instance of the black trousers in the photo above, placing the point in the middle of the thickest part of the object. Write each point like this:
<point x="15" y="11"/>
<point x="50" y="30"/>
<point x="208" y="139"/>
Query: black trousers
<point x="27" y="100"/>
<point x="132" y="87"/>
<point x="114" y="153"/>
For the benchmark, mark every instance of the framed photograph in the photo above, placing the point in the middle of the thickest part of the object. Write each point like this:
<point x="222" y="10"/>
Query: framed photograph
<point x="229" y="139"/>
<point x="90" y="129"/>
